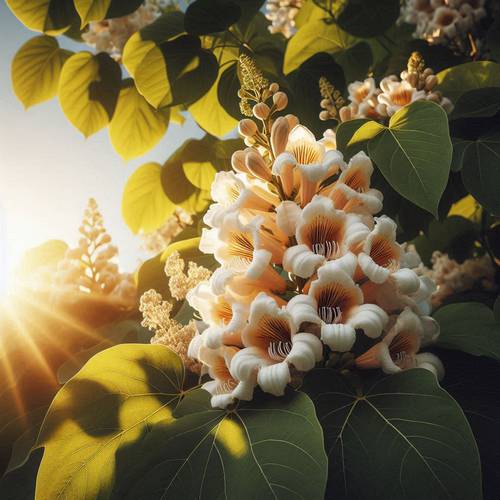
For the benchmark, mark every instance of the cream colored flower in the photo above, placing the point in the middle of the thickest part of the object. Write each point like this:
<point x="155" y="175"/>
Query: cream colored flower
<point x="272" y="344"/>
<point x="380" y="255"/>
<point x="323" y="233"/>
<point x="335" y="303"/>
<point x="396" y="94"/>
<point x="310" y="160"/>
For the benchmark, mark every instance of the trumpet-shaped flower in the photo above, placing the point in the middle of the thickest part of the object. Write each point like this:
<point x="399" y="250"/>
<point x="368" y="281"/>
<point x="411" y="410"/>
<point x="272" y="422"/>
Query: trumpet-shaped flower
<point x="380" y="254"/>
<point x="335" y="303"/>
<point x="323" y="233"/>
<point x="397" y="350"/>
<point x="310" y="159"/>
<point x="272" y="344"/>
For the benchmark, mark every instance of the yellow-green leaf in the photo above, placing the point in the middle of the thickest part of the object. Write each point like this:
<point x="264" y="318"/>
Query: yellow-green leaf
<point x="136" y="126"/>
<point x="313" y="37"/>
<point x="92" y="10"/>
<point x="207" y="111"/>
<point x="40" y="15"/>
<point x="36" y="69"/>
<point x="144" y="203"/>
<point x="88" y="89"/>
<point x="200" y="174"/>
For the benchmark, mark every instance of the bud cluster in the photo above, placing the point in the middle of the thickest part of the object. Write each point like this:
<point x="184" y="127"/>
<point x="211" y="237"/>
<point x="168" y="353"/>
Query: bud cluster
<point x="282" y="15"/>
<point x="415" y="83"/>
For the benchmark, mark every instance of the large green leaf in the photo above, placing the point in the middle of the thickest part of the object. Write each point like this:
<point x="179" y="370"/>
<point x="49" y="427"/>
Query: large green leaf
<point x="314" y="37"/>
<point x="414" y="153"/>
<point x="470" y="327"/>
<point x="366" y="18"/>
<point x="36" y="68"/>
<point x="211" y="16"/>
<point x="481" y="169"/>
<point x="144" y="204"/>
<point x="88" y="90"/>
<point x="482" y="102"/>
<point x="455" y="81"/>
<point x="136" y="126"/>
<point x="473" y="382"/>
<point x="123" y="428"/>
<point x="96" y="10"/>
<point x="394" y="437"/>
<point x="47" y="16"/>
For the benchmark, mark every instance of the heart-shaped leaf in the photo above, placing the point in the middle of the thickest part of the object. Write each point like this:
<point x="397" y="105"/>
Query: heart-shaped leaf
<point x="36" y="68"/>
<point x="414" y="153"/>
<point x="123" y="428"/>
<point x="470" y="327"/>
<point x="394" y="437"/>
<point x="136" y="126"/>
<point x="211" y="16"/>
<point x="88" y="90"/>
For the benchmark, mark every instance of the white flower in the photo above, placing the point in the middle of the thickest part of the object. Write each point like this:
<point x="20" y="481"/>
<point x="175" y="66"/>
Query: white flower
<point x="396" y="94"/>
<point x="272" y="343"/>
<point x="335" y="303"/>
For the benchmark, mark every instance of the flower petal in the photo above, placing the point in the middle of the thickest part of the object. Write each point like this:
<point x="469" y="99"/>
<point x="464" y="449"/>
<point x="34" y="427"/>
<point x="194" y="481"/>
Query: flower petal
<point x="274" y="379"/>
<point x="306" y="351"/>
<point x="338" y="337"/>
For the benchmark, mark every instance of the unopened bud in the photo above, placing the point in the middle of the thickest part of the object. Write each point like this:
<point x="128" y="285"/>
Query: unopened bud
<point x="412" y="79"/>
<point x="292" y="120"/>
<point x="274" y="87"/>
<point x="257" y="165"/>
<point x="280" y="100"/>
<point x="247" y="128"/>
<point x="261" y="111"/>
<point x="431" y="82"/>
<point x="238" y="162"/>
<point x="324" y="116"/>
<point x="345" y="114"/>
<point x="279" y="135"/>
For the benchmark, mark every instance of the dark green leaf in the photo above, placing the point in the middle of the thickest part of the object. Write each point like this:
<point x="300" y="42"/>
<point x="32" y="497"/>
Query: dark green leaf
<point x="366" y="18"/>
<point x="482" y="102"/>
<point x="473" y="382"/>
<point x="345" y="132"/>
<point x="227" y="91"/>
<point x="481" y="170"/>
<point x="414" y="153"/>
<point x="394" y="437"/>
<point x="211" y="16"/>
<point x="470" y="327"/>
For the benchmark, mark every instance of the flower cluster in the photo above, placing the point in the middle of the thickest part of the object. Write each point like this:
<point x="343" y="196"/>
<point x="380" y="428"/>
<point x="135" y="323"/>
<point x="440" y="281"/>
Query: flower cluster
<point x="282" y="15"/>
<point x="332" y="100"/>
<point x="156" y="313"/>
<point x="90" y="267"/>
<point x="452" y="277"/>
<point x="111" y="35"/>
<point x="415" y="83"/>
<point x="156" y="241"/>
<point x="448" y="22"/>
<point x="306" y="270"/>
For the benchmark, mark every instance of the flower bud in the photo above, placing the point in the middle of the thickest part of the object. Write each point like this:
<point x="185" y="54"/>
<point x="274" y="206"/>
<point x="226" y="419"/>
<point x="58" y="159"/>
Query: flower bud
<point x="292" y="120"/>
<point x="247" y="128"/>
<point x="279" y="135"/>
<point x="345" y="114"/>
<point x="261" y="111"/>
<point x="238" y="162"/>
<point x="274" y="87"/>
<point x="249" y="141"/>
<point x="324" y="116"/>
<point x="412" y="79"/>
<point x="257" y="165"/>
<point x="280" y="100"/>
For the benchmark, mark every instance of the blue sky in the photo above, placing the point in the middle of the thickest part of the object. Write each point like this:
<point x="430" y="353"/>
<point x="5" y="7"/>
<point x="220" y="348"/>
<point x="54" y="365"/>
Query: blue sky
<point x="48" y="170"/>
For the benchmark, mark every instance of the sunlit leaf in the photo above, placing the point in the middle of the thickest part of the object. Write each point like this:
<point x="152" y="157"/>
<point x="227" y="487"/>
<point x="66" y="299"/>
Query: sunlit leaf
<point x="144" y="204"/>
<point x="88" y="90"/>
<point x="36" y="68"/>
<point x="314" y="37"/>
<point x="470" y="327"/>
<point x="96" y="10"/>
<point x="127" y="402"/>
<point x="136" y="126"/>
<point x="52" y="17"/>
<point x="200" y="175"/>
<point x="211" y="16"/>
<point x="48" y="253"/>
<point x="455" y="81"/>
<point x="208" y="112"/>
<point x="394" y="437"/>
<point x="176" y="71"/>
